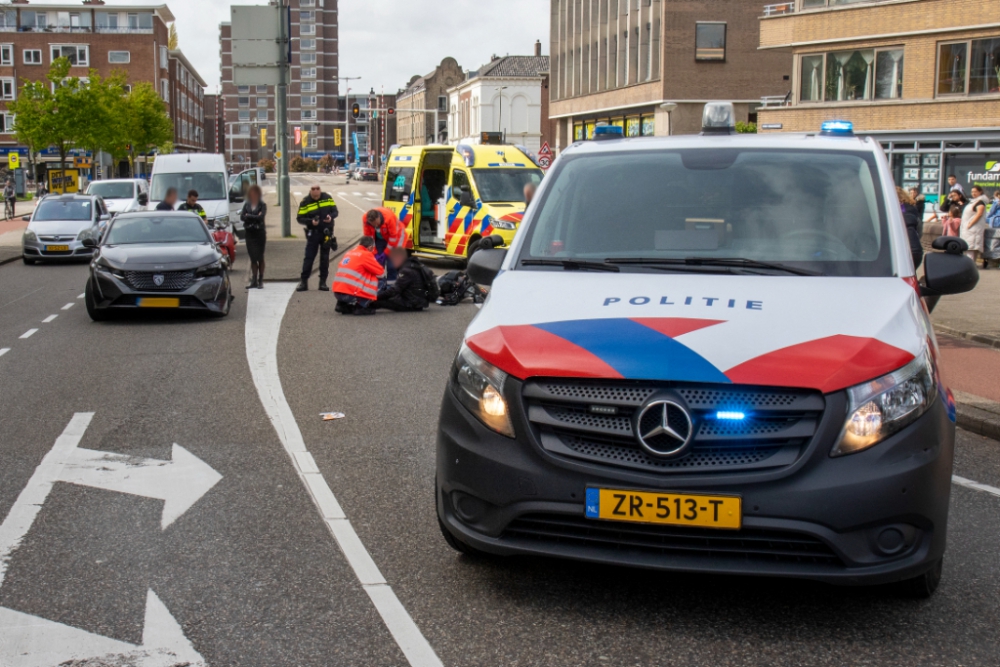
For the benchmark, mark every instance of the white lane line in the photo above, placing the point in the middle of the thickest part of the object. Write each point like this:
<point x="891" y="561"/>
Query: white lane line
<point x="265" y="310"/>
<point x="969" y="484"/>
<point x="348" y="201"/>
<point x="80" y="296"/>
<point x="29" y="333"/>
<point x="68" y="306"/>
<point x="49" y="319"/>
<point x="29" y="503"/>
<point x="4" y="350"/>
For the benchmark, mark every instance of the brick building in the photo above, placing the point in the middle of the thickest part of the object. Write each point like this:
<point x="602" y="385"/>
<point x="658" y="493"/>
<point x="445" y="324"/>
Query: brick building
<point x="214" y="128"/>
<point x="373" y="136"/>
<point x="416" y="128"/>
<point x="919" y="75"/>
<point x="184" y="93"/>
<point x="312" y="89"/>
<point x="618" y="61"/>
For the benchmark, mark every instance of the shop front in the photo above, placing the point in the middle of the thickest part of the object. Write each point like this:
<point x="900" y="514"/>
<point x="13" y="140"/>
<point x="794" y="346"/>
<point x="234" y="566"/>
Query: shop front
<point x="634" y="123"/>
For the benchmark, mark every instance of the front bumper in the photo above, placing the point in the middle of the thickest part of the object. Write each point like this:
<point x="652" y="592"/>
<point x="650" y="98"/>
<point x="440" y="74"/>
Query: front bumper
<point x="819" y="518"/>
<point x="38" y="250"/>
<point x="205" y="294"/>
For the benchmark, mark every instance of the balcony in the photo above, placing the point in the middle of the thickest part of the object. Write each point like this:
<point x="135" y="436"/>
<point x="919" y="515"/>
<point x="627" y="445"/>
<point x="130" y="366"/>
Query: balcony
<point x="779" y="9"/>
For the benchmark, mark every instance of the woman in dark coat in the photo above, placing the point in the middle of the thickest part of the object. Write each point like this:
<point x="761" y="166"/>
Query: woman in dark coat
<point x="253" y="215"/>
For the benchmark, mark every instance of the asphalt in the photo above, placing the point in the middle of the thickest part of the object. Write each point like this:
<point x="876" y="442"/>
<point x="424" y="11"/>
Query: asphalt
<point x="253" y="576"/>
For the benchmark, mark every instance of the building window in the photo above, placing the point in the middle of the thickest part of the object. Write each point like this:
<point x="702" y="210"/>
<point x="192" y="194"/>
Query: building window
<point x="165" y="90"/>
<point x="308" y="86"/>
<point x="245" y="129"/>
<point x="308" y="114"/>
<point x="971" y="67"/>
<point x="243" y="101"/>
<point x="6" y="54"/>
<point x="261" y="102"/>
<point x="32" y="56"/>
<point x="307" y="44"/>
<point x="305" y="17"/>
<point x="261" y="90"/>
<point x="242" y="90"/>
<point x="307" y="58"/>
<point x="119" y="57"/>
<point x="308" y="100"/>
<point x="8" y="123"/>
<point x="77" y="54"/>
<point x="7" y="89"/>
<point x="443" y="103"/>
<point x="244" y="115"/>
<point x="307" y="29"/>
<point x="263" y="116"/>
<point x="710" y="41"/>
<point x="307" y="3"/>
<point x="861" y="74"/>
<point x="8" y="19"/>
<point x="308" y="73"/>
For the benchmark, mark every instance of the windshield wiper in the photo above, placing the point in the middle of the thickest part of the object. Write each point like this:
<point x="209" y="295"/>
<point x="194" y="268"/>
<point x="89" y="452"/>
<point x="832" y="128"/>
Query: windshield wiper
<point x="735" y="262"/>
<point x="572" y="264"/>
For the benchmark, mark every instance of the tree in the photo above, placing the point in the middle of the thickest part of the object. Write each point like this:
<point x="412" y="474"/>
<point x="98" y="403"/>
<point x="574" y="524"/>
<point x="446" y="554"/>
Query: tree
<point x="143" y="122"/>
<point x="326" y="162"/>
<point x="298" y="163"/>
<point x="172" y="37"/>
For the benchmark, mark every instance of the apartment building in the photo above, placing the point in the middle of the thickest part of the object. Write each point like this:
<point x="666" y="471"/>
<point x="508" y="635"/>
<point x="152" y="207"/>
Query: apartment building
<point x="215" y="137"/>
<point x="415" y="105"/>
<point x="184" y="93"/>
<point x="619" y="61"/>
<point x="312" y="90"/>
<point x="921" y="76"/>
<point x="92" y="35"/>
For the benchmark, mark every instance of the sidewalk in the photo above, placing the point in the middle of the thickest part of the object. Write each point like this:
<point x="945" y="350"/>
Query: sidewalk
<point x="11" y="231"/>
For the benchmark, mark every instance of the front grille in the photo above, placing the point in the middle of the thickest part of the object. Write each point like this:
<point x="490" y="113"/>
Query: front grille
<point x="750" y="544"/>
<point x="173" y="281"/>
<point x="57" y="239"/>
<point x="779" y="423"/>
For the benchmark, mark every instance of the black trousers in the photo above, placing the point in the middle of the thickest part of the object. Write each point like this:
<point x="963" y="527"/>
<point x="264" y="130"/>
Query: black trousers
<point x="314" y="246"/>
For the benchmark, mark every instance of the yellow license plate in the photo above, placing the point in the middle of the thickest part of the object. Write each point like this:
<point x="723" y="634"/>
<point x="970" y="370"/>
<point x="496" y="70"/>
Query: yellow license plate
<point x="56" y="248"/>
<point x="158" y="303"/>
<point x="674" y="509"/>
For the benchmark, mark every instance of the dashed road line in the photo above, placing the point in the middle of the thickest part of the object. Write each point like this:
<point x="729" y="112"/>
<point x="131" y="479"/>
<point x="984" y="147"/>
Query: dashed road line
<point x="265" y="311"/>
<point x="49" y="319"/>
<point x="969" y="484"/>
<point x="29" y="333"/>
<point x="80" y="296"/>
<point x="4" y="350"/>
<point x="68" y="306"/>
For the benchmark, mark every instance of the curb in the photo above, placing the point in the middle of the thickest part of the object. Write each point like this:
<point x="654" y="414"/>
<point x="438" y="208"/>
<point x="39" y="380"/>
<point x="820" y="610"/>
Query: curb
<point x="8" y="260"/>
<point x="977" y="414"/>
<point x="983" y="339"/>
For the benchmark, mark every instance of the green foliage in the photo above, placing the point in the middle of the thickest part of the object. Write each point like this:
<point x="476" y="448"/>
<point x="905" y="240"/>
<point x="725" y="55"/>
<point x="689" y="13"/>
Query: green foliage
<point x="746" y="128"/>
<point x="172" y="37"/>
<point x="298" y="163"/>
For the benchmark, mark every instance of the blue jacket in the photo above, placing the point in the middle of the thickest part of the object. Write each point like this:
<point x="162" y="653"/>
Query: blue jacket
<point x="993" y="216"/>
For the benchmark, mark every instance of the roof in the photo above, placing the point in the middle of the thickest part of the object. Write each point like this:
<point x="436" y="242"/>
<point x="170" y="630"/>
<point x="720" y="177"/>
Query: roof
<point x="515" y="66"/>
<point x="160" y="10"/>
<point x="179" y="55"/>
<point x="781" y="140"/>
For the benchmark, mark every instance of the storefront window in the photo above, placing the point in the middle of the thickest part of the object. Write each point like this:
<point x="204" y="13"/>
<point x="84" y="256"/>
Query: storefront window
<point x="632" y="127"/>
<point x="648" y="126"/>
<point x="952" y="66"/>
<point x="984" y="76"/>
<point x="578" y="133"/>
<point x="590" y="129"/>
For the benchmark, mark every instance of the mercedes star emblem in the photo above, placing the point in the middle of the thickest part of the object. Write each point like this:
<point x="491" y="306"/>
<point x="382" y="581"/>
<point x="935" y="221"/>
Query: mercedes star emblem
<point x="664" y="428"/>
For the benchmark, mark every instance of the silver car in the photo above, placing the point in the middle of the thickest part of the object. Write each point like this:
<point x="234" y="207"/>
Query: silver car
<point x="59" y="225"/>
<point x="121" y="195"/>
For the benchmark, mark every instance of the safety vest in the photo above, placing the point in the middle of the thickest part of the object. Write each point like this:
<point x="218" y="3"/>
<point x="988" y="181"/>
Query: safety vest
<point x="196" y="208"/>
<point x="358" y="274"/>
<point x="311" y="207"/>
<point x="391" y="229"/>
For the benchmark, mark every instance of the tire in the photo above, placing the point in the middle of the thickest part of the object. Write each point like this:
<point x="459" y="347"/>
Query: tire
<point x="88" y="298"/>
<point x="458" y="545"/>
<point x="922" y="587"/>
<point x="473" y="246"/>
<point x="29" y="262"/>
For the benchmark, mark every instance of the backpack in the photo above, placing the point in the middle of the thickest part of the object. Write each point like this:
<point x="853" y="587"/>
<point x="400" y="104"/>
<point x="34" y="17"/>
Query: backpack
<point x="430" y="284"/>
<point x="452" y="288"/>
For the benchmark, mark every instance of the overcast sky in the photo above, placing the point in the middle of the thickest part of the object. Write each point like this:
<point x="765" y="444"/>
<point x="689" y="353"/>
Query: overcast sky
<point x="383" y="41"/>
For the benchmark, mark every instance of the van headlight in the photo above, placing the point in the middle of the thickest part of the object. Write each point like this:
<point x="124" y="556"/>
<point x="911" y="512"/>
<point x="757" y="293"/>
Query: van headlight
<point x="504" y="224"/>
<point x="885" y="405"/>
<point x="478" y="385"/>
<point x="88" y="233"/>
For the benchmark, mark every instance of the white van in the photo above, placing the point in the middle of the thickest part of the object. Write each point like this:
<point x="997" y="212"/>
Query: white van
<point x="206" y="173"/>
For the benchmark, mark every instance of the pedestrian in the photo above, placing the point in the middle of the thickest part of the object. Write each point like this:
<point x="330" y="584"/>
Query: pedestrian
<point x="253" y="215"/>
<point x="382" y="225"/>
<point x="921" y="202"/>
<point x="10" y="195"/>
<point x="169" y="200"/>
<point x="951" y="223"/>
<point x="191" y="204"/>
<point x="356" y="282"/>
<point x="974" y="222"/>
<point x="412" y="289"/>
<point x="913" y="226"/>
<point x="954" y="185"/>
<point x="529" y="193"/>
<point x="993" y="217"/>
<point x="317" y="211"/>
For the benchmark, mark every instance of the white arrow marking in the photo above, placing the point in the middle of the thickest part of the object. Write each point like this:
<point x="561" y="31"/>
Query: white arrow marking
<point x="30" y="641"/>
<point x="180" y="483"/>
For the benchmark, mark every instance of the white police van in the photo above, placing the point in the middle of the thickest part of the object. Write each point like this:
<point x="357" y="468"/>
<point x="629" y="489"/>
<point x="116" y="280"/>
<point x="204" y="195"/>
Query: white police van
<point x="708" y="353"/>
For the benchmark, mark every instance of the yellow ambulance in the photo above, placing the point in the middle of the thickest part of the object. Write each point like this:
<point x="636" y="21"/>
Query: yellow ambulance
<point x="449" y="197"/>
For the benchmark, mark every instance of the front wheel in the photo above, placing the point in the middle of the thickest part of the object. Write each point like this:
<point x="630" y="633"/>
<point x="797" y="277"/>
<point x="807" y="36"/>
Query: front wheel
<point x="29" y="262"/>
<point x="96" y="314"/>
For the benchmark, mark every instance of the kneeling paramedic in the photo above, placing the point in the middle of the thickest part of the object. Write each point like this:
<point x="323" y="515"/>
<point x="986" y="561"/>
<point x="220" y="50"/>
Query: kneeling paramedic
<point x="317" y="213"/>
<point x="413" y="290"/>
<point x="356" y="283"/>
<point x="382" y="225"/>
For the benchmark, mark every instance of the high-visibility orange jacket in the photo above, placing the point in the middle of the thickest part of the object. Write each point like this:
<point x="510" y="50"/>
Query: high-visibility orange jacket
<point x="391" y="229"/>
<point x="358" y="274"/>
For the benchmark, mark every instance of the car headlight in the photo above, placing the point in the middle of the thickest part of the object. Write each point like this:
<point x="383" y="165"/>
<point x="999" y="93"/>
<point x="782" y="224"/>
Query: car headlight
<point x="885" y="405"/>
<point x="89" y="233"/>
<point x="103" y="266"/>
<point x="30" y="236"/>
<point x="213" y="269"/>
<point x="221" y="220"/>
<point x="478" y="385"/>
<point x="504" y="224"/>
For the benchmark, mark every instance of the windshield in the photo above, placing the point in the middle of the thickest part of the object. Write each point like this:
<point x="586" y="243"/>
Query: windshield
<point x="144" y="229"/>
<point x="58" y="209"/>
<point x="504" y="185"/>
<point x="814" y="211"/>
<point x="210" y="185"/>
<point x="112" y="190"/>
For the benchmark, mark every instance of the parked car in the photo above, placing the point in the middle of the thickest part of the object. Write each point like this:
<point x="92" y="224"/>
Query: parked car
<point x="121" y="195"/>
<point x="59" y="225"/>
<point x="366" y="174"/>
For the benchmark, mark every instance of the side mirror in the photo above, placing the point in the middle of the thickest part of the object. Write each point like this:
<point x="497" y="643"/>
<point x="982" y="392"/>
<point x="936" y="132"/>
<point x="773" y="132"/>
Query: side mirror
<point x="143" y="199"/>
<point x="105" y="217"/>
<point x="484" y="266"/>
<point x="465" y="198"/>
<point x="490" y="242"/>
<point x="235" y="198"/>
<point x="89" y="243"/>
<point x="947" y="273"/>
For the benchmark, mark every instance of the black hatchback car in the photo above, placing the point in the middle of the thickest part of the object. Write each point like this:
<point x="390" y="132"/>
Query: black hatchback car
<point x="157" y="259"/>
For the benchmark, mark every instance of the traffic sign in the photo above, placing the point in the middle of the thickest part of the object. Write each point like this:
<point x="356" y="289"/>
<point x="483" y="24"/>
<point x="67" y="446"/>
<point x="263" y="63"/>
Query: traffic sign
<point x="277" y="155"/>
<point x="13" y="161"/>
<point x="545" y="156"/>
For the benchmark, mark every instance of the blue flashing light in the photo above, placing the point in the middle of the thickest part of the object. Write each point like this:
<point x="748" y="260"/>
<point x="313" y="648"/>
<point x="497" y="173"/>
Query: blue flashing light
<point x="731" y="415"/>
<point x="609" y="131"/>
<point x="468" y="155"/>
<point x="842" y="128"/>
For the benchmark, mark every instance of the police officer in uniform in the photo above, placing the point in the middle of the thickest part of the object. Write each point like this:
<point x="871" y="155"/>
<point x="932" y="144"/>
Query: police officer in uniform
<point x="317" y="213"/>
<point x="191" y="204"/>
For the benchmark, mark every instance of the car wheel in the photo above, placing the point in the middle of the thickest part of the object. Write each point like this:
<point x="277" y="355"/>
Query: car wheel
<point x="473" y="246"/>
<point x="29" y="262"/>
<point x="88" y="298"/>
<point x="922" y="587"/>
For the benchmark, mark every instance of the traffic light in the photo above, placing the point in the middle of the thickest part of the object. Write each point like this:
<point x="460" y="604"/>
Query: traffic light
<point x="355" y="110"/>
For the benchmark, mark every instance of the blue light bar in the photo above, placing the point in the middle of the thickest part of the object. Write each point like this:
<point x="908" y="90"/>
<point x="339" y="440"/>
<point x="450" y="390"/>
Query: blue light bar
<point x="731" y="416"/>
<point x="468" y="155"/>
<point x="609" y="131"/>
<point x="843" y="128"/>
